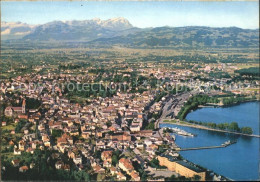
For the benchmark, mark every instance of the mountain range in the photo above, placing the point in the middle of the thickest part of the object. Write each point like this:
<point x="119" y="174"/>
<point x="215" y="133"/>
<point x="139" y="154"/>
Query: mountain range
<point x="15" y="30"/>
<point x="119" y="31"/>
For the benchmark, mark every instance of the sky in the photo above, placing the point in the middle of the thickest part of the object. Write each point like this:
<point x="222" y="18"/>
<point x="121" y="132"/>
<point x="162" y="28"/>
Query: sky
<point x="140" y="14"/>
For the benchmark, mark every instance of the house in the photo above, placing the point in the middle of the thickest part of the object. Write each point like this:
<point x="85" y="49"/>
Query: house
<point x="135" y="176"/>
<point x="15" y="162"/>
<point x="121" y="177"/>
<point x="56" y="125"/>
<point x="146" y="133"/>
<point x="23" y="169"/>
<point x="26" y="131"/>
<point x="107" y="164"/>
<point x="17" y="151"/>
<point x="98" y="169"/>
<point x="72" y="154"/>
<point x="66" y="167"/>
<point x="22" y="116"/>
<point x="77" y="159"/>
<point x="30" y="150"/>
<point x="64" y="139"/>
<point x="21" y="145"/>
<point x="121" y="136"/>
<point x="3" y="123"/>
<point x="59" y="164"/>
<point x="11" y="142"/>
<point x="46" y="140"/>
<point x="126" y="165"/>
<point x="100" y="144"/>
<point x="153" y="146"/>
<point x="32" y="165"/>
<point x="139" y="145"/>
<point x="9" y="111"/>
<point x="107" y="156"/>
<point x="135" y="128"/>
<point x="113" y="170"/>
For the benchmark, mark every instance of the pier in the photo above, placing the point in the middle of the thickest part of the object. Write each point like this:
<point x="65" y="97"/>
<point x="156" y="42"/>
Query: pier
<point x="199" y="148"/>
<point x="209" y="147"/>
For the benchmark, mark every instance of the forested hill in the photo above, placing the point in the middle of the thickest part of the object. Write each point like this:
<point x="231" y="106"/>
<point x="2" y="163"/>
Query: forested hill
<point x="187" y="37"/>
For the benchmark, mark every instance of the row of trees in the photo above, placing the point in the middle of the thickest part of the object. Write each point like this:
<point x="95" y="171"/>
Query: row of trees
<point x="233" y="126"/>
<point x="238" y="99"/>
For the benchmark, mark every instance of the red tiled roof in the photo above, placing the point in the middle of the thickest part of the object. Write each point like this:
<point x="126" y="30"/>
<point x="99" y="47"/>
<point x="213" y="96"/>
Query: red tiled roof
<point x="127" y="163"/>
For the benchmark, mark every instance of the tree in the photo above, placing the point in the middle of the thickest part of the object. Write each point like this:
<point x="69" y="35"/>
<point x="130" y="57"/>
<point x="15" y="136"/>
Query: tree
<point x="247" y="130"/>
<point x="150" y="126"/>
<point x="144" y="176"/>
<point x="19" y="126"/>
<point x="172" y="178"/>
<point x="32" y="103"/>
<point x="114" y="160"/>
<point x="109" y="123"/>
<point x="233" y="126"/>
<point x="196" y="177"/>
<point x="81" y="176"/>
<point x="100" y="177"/>
<point x="56" y="133"/>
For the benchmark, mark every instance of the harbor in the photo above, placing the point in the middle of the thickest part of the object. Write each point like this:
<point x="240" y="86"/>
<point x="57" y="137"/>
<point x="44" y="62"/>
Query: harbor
<point x="178" y="131"/>
<point x="235" y="152"/>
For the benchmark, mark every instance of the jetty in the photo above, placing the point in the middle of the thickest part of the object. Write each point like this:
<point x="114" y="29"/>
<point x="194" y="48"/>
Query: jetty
<point x="227" y="143"/>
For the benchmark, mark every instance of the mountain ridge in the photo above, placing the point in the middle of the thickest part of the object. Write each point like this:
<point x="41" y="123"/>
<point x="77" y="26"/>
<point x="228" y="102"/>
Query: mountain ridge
<point x="119" y="31"/>
<point x="113" y="24"/>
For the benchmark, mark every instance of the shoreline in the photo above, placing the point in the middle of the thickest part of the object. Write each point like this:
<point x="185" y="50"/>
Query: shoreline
<point x="229" y="105"/>
<point x="210" y="105"/>
<point x="207" y="169"/>
<point x="207" y="128"/>
<point x="173" y="124"/>
<point x="186" y="124"/>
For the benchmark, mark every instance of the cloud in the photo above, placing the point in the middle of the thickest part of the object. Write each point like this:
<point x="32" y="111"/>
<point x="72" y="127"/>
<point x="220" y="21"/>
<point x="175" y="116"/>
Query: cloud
<point x="6" y="31"/>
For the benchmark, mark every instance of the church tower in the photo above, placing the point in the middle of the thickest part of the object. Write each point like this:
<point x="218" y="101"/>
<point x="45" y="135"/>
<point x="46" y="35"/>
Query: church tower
<point x="23" y="106"/>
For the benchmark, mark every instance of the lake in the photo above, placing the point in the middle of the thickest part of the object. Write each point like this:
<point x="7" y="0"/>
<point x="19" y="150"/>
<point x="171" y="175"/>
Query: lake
<point x="245" y="114"/>
<point x="239" y="161"/>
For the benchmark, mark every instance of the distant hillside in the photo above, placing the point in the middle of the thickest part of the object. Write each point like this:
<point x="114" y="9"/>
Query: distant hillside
<point x="80" y="30"/>
<point x="118" y="31"/>
<point x="187" y="37"/>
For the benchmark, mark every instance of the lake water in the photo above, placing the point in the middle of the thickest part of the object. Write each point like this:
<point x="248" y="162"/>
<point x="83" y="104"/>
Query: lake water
<point x="239" y="161"/>
<point x="245" y="114"/>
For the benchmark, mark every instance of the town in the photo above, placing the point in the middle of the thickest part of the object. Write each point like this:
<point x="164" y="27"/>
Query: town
<point x="129" y="91"/>
<point x="102" y="124"/>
